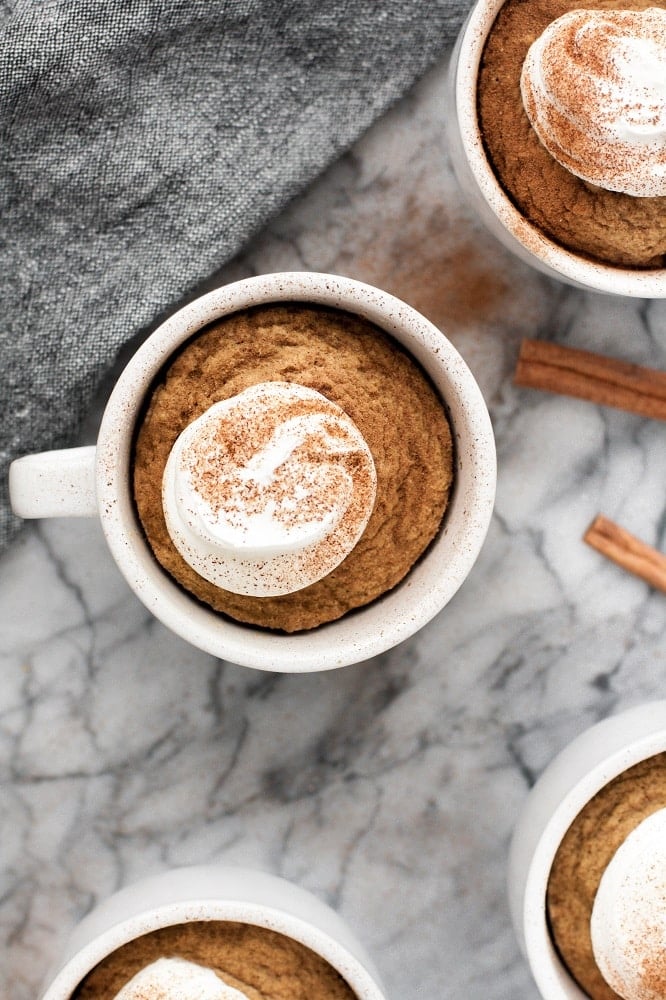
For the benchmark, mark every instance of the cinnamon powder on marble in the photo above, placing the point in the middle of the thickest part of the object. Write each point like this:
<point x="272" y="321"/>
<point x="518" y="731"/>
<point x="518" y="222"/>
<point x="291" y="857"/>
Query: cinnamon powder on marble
<point x="431" y="260"/>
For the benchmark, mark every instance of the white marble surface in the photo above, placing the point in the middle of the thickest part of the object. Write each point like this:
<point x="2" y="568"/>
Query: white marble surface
<point x="388" y="788"/>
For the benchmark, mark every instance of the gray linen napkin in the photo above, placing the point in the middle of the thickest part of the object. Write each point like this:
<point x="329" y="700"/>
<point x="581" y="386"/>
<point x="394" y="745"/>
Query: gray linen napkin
<point x="143" y="142"/>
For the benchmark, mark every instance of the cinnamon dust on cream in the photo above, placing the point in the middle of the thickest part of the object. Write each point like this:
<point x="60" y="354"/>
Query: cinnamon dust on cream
<point x="284" y="473"/>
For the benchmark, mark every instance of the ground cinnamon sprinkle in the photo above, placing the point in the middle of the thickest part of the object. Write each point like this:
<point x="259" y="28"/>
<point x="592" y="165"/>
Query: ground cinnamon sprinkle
<point x="431" y="260"/>
<point x="653" y="971"/>
<point x="324" y="469"/>
<point x="259" y="962"/>
<point x="603" y="225"/>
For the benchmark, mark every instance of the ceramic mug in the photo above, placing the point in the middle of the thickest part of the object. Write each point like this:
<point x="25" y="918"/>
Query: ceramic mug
<point x="574" y="777"/>
<point x="89" y="481"/>
<point x="484" y="192"/>
<point x="212" y="892"/>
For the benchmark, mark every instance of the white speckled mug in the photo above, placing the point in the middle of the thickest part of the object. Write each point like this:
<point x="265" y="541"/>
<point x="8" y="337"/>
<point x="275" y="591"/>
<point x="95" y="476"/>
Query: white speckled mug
<point x="89" y="481"/>
<point x="575" y="776"/>
<point x="486" y="195"/>
<point x="212" y="892"/>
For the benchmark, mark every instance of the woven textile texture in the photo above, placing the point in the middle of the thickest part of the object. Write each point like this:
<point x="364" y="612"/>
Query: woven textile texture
<point x="143" y="142"/>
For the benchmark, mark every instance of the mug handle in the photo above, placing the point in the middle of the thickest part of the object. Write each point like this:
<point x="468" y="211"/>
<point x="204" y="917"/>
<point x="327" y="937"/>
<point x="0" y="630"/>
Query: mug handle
<point x="54" y="484"/>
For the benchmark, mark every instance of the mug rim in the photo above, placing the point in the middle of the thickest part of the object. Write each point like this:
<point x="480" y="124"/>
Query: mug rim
<point x="551" y="975"/>
<point x="202" y="909"/>
<point x="362" y="632"/>
<point x="551" y="256"/>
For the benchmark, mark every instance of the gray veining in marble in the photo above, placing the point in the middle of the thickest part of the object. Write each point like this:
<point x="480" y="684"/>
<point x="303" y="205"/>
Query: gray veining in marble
<point x="388" y="788"/>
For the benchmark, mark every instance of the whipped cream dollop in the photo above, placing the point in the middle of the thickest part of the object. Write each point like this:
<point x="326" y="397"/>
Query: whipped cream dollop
<point x="177" y="979"/>
<point x="267" y="492"/>
<point x="594" y="89"/>
<point x="628" y="924"/>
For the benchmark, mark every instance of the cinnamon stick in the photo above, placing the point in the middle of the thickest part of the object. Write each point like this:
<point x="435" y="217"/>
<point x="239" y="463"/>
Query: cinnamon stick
<point x="594" y="377"/>
<point x="627" y="551"/>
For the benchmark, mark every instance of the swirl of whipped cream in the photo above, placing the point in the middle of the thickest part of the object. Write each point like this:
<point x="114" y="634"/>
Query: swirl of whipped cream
<point x="594" y="89"/>
<point x="177" y="979"/>
<point x="267" y="492"/>
<point x="628" y="923"/>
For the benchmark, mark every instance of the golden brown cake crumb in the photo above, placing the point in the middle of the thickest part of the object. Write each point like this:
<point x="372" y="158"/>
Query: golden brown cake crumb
<point x="583" y="856"/>
<point x="259" y="962"/>
<point x="380" y="387"/>
<point x="604" y="225"/>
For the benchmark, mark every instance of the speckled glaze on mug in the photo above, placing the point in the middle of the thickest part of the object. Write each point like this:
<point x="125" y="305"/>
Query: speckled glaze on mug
<point x="98" y="481"/>
<point x="212" y="892"/>
<point x="574" y="777"/>
<point x="486" y="195"/>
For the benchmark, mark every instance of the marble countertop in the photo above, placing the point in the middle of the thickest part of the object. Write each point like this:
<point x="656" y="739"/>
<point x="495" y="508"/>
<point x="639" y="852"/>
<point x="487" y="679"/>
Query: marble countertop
<point x="388" y="788"/>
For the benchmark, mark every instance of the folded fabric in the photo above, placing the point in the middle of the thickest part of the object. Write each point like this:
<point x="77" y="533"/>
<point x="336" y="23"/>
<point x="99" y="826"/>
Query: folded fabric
<point x="143" y="142"/>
